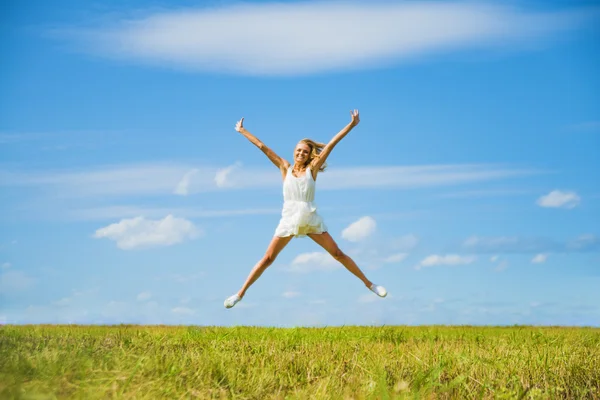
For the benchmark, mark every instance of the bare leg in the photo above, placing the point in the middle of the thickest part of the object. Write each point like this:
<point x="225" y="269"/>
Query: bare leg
<point x="326" y="241"/>
<point x="277" y="244"/>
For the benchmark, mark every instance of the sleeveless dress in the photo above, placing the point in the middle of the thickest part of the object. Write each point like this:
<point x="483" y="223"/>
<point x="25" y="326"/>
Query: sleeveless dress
<point x="299" y="215"/>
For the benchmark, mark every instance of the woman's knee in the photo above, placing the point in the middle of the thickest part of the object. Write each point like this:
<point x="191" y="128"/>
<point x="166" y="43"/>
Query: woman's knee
<point x="338" y="254"/>
<point x="268" y="259"/>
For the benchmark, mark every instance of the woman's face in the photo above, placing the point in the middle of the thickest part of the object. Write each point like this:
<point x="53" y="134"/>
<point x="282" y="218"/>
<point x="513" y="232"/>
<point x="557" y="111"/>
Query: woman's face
<point x="301" y="153"/>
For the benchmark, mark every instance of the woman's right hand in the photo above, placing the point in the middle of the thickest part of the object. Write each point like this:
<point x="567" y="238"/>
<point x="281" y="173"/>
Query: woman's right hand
<point x="240" y="125"/>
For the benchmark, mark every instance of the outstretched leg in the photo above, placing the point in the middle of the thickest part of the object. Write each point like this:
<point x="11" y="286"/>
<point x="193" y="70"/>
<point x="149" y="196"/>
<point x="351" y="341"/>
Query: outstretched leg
<point x="277" y="244"/>
<point x="326" y="241"/>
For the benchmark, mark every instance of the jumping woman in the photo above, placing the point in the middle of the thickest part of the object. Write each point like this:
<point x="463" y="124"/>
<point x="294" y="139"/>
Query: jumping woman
<point x="299" y="216"/>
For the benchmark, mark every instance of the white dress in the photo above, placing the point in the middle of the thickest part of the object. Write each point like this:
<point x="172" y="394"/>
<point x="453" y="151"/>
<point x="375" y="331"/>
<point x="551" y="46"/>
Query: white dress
<point x="299" y="216"/>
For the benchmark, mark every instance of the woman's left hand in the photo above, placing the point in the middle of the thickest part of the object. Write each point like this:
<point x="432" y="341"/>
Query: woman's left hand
<point x="355" y="118"/>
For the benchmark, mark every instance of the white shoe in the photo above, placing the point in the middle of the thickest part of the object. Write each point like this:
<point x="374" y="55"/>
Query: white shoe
<point x="232" y="300"/>
<point x="378" y="290"/>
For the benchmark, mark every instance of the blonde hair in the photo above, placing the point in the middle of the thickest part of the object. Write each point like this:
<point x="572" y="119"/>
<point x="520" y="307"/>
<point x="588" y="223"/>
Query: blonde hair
<point x="315" y="150"/>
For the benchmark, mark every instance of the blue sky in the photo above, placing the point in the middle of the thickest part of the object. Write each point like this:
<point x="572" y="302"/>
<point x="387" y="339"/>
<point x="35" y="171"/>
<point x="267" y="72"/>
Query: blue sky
<point x="470" y="189"/>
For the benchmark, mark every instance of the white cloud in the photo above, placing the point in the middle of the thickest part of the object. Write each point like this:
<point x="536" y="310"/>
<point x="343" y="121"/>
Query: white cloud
<point x="183" y="311"/>
<point x="221" y="176"/>
<point x="141" y="232"/>
<point x="539" y="258"/>
<point x="395" y="258"/>
<point x="359" y="230"/>
<point x="143" y="296"/>
<point x="290" y="294"/>
<point x="308" y="37"/>
<point x="494" y="258"/>
<point x="315" y="261"/>
<point x="6" y="265"/>
<point x="559" y="199"/>
<point x="15" y="281"/>
<point x="183" y="187"/>
<point x="448" y="259"/>
<point x="406" y="242"/>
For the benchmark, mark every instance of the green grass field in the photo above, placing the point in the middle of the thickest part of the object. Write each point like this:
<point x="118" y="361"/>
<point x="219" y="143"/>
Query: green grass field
<point x="92" y="362"/>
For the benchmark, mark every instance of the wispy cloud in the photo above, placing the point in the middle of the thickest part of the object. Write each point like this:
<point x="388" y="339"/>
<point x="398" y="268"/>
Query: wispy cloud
<point x="405" y="243"/>
<point x="501" y="266"/>
<point x="64" y="302"/>
<point x="367" y="298"/>
<point x="181" y="278"/>
<point x="539" y="258"/>
<point x="119" y="180"/>
<point x="395" y="258"/>
<point x="308" y="37"/>
<point x="143" y="296"/>
<point x="507" y="244"/>
<point x="448" y="259"/>
<point x="527" y="245"/>
<point x="12" y="281"/>
<point x="9" y="138"/>
<point x="290" y="294"/>
<point x="587" y="242"/>
<point x="141" y="232"/>
<point x="420" y="176"/>
<point x="588" y="126"/>
<point x="222" y="174"/>
<point x="559" y="199"/>
<point x="484" y="193"/>
<point x="115" y="212"/>
<point x="372" y="297"/>
<point x="183" y="311"/>
<point x="183" y="186"/>
<point x="161" y="178"/>
<point x="359" y="230"/>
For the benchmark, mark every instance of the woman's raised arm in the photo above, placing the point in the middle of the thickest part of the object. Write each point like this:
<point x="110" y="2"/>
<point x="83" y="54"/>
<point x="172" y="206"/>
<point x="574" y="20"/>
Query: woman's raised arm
<point x="319" y="161"/>
<point x="279" y="162"/>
